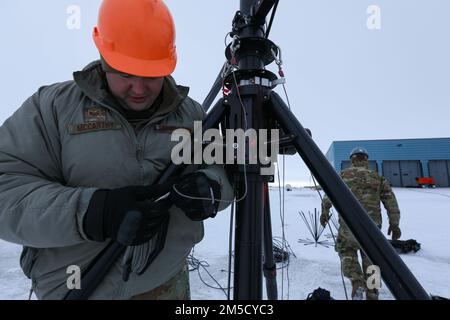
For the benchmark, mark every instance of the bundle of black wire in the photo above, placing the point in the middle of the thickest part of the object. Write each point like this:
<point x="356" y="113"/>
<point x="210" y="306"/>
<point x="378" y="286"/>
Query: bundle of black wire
<point x="282" y="252"/>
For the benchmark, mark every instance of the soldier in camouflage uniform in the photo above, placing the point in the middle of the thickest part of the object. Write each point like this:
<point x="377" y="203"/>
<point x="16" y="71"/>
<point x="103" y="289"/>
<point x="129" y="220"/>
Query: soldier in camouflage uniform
<point x="369" y="188"/>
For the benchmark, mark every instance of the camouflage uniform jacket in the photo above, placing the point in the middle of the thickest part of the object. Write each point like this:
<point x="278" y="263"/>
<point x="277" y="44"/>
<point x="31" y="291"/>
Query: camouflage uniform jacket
<point x="369" y="188"/>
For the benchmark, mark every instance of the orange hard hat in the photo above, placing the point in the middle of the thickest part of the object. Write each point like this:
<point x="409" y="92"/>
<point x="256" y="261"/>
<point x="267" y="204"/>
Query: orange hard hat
<point x="137" y="37"/>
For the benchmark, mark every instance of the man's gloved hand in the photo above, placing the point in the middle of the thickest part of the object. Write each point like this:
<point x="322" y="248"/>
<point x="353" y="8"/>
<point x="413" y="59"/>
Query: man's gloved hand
<point x="108" y="208"/>
<point x="197" y="196"/>
<point x="396" y="233"/>
<point x="324" y="217"/>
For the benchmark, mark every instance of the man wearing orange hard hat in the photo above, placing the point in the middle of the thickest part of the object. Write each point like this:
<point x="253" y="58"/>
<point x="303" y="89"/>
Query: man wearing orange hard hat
<point x="78" y="156"/>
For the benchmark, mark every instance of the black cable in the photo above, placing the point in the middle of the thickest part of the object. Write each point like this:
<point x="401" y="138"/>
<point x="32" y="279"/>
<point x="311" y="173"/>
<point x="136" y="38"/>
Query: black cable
<point x="284" y="234"/>
<point x="280" y="254"/>
<point x="282" y="225"/>
<point x="225" y="40"/>
<point x="230" y="245"/>
<point x="195" y="264"/>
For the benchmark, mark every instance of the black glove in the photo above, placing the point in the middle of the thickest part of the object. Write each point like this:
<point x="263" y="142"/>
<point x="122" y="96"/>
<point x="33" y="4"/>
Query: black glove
<point x="108" y="208"/>
<point x="396" y="232"/>
<point x="197" y="185"/>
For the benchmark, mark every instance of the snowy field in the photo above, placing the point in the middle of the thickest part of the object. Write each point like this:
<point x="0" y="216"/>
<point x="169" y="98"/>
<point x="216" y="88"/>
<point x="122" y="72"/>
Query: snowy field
<point x="425" y="216"/>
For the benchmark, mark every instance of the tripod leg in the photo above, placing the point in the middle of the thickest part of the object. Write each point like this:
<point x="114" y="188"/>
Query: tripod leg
<point x="214" y="90"/>
<point x="394" y="272"/>
<point x="269" y="267"/>
<point x="248" y="240"/>
<point x="103" y="263"/>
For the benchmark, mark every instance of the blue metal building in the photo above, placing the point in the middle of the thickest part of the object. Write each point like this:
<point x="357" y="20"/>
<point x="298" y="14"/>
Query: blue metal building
<point x="400" y="161"/>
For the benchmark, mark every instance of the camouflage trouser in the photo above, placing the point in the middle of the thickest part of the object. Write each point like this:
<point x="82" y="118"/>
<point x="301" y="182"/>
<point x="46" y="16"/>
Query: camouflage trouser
<point x="348" y="248"/>
<point x="176" y="288"/>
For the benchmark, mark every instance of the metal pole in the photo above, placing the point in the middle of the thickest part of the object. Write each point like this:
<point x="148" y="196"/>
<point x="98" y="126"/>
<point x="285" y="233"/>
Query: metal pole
<point x="248" y="241"/>
<point x="245" y="112"/>
<point x="246" y="6"/>
<point x="214" y="91"/>
<point x="270" y="267"/>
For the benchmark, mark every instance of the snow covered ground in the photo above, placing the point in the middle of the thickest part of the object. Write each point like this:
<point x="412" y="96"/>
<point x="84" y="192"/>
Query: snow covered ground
<point x="425" y="217"/>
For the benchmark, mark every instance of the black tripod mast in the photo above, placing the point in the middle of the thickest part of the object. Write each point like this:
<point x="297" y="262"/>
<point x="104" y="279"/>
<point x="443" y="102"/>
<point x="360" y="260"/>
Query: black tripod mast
<point x="251" y="53"/>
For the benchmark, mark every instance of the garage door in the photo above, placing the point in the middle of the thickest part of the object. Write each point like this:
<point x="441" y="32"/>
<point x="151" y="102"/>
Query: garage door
<point x="402" y="173"/>
<point x="410" y="170"/>
<point x="391" y="171"/>
<point x="372" y="165"/>
<point x="440" y="171"/>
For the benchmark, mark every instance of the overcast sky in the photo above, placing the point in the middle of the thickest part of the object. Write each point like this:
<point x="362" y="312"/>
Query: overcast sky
<point x="344" y="80"/>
